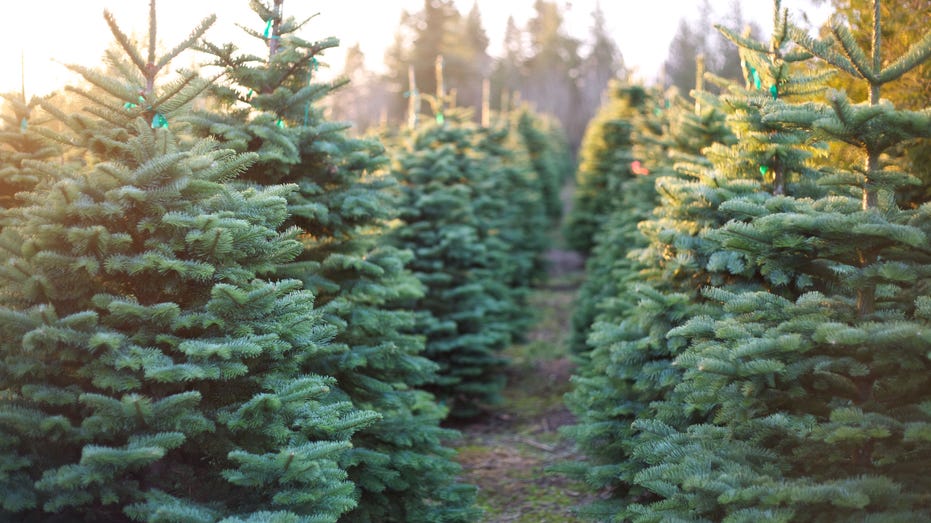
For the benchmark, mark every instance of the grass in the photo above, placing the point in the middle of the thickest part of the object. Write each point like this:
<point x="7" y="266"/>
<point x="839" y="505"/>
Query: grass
<point x="508" y="453"/>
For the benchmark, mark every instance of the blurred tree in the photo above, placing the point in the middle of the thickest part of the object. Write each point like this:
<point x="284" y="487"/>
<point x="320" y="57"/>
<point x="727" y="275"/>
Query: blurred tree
<point x="507" y="75"/>
<point x="699" y="38"/>
<point x="439" y="29"/>
<point x="553" y="67"/>
<point x="365" y="99"/>
<point x="602" y="63"/>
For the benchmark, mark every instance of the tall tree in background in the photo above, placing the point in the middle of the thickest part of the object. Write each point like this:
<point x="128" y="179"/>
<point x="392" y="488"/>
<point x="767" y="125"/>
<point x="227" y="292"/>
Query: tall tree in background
<point x="365" y="100"/>
<point x="439" y="29"/>
<point x="694" y="38"/>
<point x="507" y="71"/>
<point x="602" y="63"/>
<point x="552" y="67"/>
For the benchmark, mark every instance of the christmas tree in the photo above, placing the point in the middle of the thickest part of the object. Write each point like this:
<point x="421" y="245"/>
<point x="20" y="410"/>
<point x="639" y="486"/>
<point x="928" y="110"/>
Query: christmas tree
<point x="19" y="146"/>
<point x="812" y="376"/>
<point x="149" y="372"/>
<point x="466" y="310"/>
<point x="271" y="106"/>
<point x="632" y="200"/>
<point x="510" y="200"/>
<point x="605" y="164"/>
<point x="549" y="155"/>
<point x="629" y="365"/>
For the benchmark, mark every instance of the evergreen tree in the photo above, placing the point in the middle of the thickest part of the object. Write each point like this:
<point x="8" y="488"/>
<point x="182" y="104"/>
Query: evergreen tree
<point x="630" y="200"/>
<point x="271" y="107"/>
<point x="814" y="378"/>
<point x="602" y="63"/>
<point x="149" y="372"/>
<point x="549" y="156"/>
<point x="514" y="201"/>
<point x="439" y="29"/>
<point x="20" y="145"/>
<point x="901" y="22"/>
<point x="467" y="312"/>
<point x="604" y="164"/>
<point x="553" y="58"/>
<point x="629" y="364"/>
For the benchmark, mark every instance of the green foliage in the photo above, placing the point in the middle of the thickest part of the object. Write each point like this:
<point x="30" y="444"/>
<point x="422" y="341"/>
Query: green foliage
<point x="466" y="310"/>
<point x="136" y="359"/>
<point x="549" y="155"/>
<point x="604" y="164"/>
<point x="400" y="467"/>
<point x="801" y="349"/>
<point x="19" y="146"/>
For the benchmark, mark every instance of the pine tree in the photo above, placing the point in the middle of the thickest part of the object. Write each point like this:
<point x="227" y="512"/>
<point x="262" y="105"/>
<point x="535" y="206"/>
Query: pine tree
<point x="401" y="468"/>
<point x="149" y="372"/>
<point x="604" y="164"/>
<point x="467" y="310"/>
<point x="814" y="377"/>
<point x="549" y="155"/>
<point x="511" y="200"/>
<point x="608" y="156"/>
<point x="20" y="145"/>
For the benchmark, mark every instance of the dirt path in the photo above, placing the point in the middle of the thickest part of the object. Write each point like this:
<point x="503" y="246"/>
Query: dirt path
<point x="507" y="454"/>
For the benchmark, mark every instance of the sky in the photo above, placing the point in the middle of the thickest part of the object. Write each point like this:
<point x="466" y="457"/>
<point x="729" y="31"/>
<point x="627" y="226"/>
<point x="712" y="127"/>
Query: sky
<point x="74" y="31"/>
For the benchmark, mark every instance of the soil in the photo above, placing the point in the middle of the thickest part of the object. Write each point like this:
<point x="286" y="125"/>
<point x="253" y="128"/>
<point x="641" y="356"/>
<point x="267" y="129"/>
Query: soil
<point x="509" y="452"/>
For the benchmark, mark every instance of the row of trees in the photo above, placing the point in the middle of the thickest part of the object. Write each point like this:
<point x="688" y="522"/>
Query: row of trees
<point x="757" y="348"/>
<point x="542" y="64"/>
<point x="222" y="313"/>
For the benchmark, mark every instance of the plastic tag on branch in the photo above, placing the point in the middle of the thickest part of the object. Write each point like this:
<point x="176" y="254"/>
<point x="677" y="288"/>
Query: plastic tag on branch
<point x="159" y="120"/>
<point x="637" y="168"/>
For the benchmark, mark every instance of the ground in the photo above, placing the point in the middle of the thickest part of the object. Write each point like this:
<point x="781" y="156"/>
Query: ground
<point x="509" y="452"/>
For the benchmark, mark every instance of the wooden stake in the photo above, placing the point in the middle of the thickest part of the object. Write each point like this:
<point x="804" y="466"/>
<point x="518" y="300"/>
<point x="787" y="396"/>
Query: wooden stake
<point x="699" y="80"/>
<point x="440" y="88"/>
<point x="413" y="102"/>
<point x="486" y="102"/>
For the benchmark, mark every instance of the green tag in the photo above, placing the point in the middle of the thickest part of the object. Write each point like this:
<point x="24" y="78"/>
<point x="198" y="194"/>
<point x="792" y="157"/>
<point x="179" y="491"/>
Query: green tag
<point x="280" y="123"/>
<point x="440" y="119"/>
<point x="129" y="105"/>
<point x="159" y="120"/>
<point x="268" y="28"/>
<point x="773" y="90"/>
<point x="764" y="169"/>
<point x="23" y="125"/>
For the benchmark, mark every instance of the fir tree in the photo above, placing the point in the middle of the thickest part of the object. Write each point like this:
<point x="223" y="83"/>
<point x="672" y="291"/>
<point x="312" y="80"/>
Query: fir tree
<point x="510" y="200"/>
<point x="813" y="378"/>
<point x="605" y="163"/>
<point x="467" y="310"/>
<point x="550" y="156"/>
<point x="629" y="366"/>
<point x="149" y="372"/>
<point x="630" y="200"/>
<point x="20" y="145"/>
<point x="271" y="106"/>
